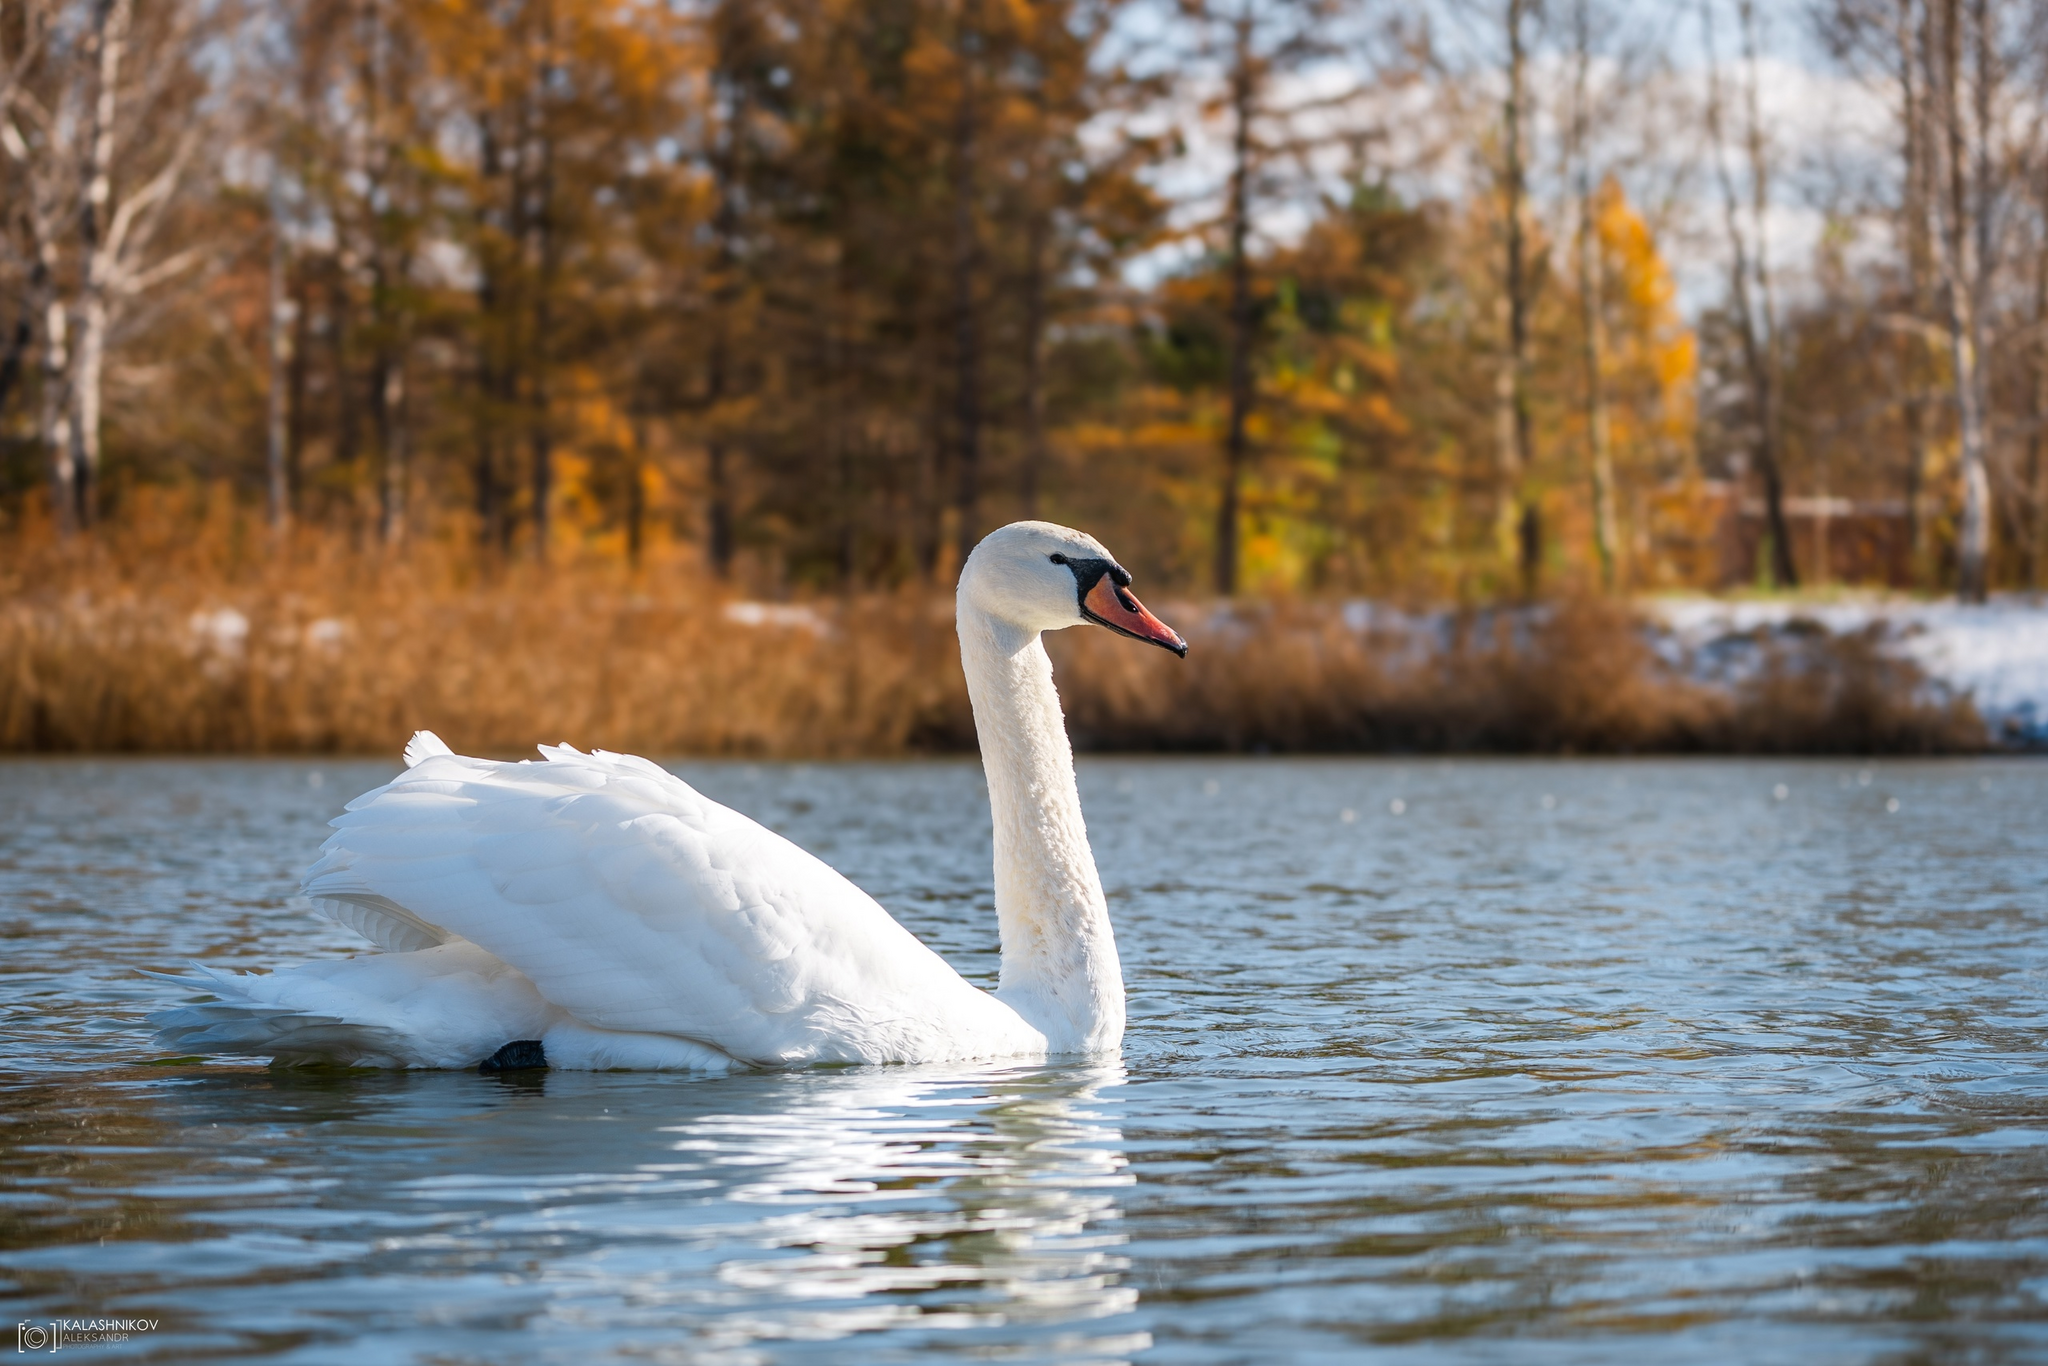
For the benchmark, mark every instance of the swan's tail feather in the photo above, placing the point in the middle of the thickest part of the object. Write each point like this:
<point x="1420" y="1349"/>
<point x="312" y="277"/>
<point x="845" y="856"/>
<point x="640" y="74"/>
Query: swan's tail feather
<point x="236" y="1023"/>
<point x="424" y="745"/>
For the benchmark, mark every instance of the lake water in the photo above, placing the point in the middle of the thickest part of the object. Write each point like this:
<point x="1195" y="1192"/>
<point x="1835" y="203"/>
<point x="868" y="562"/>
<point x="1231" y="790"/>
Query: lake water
<point x="1429" y="1061"/>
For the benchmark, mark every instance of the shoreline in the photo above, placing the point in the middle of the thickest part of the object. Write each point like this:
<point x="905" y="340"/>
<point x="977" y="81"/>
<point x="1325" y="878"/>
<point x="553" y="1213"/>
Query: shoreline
<point x="297" y="664"/>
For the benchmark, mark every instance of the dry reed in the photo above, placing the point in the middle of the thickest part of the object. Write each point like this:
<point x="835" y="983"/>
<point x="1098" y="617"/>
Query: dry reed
<point x="1575" y="676"/>
<point x="206" y="644"/>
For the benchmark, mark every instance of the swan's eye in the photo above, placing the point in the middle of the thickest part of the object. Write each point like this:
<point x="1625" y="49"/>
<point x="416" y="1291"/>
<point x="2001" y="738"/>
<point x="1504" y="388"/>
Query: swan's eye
<point x="1057" y="558"/>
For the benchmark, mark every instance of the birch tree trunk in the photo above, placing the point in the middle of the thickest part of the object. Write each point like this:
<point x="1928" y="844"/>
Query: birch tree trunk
<point x="98" y="248"/>
<point x="1958" y="241"/>
<point x="39" y="175"/>
<point x="1973" y="549"/>
<point x="1592" y="312"/>
<point x="1912" y="101"/>
<point x="53" y="410"/>
<point x="1243" y="97"/>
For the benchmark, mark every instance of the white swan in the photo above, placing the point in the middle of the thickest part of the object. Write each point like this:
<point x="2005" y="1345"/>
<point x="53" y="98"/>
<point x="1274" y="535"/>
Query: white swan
<point x="595" y="911"/>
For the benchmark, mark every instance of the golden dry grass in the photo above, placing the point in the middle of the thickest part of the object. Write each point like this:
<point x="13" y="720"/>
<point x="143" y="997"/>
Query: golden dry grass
<point x="207" y="642"/>
<point x="353" y="661"/>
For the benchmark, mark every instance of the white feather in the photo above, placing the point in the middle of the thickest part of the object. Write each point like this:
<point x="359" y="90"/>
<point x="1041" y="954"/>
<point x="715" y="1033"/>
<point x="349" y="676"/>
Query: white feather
<point x="378" y="919"/>
<point x="424" y="745"/>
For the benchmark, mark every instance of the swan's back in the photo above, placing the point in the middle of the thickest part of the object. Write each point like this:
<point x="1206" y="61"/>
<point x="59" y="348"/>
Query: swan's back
<point x="637" y="904"/>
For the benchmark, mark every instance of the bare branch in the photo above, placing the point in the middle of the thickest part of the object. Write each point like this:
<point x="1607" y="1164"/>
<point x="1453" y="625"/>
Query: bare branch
<point x="127" y="283"/>
<point x="149" y="199"/>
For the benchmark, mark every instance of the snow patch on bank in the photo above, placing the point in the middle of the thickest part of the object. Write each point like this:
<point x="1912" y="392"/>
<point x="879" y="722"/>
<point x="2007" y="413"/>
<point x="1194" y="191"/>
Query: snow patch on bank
<point x="1997" y="654"/>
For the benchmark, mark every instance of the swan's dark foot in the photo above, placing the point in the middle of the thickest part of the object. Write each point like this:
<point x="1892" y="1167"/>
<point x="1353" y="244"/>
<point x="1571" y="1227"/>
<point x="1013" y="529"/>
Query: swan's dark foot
<point x="518" y="1056"/>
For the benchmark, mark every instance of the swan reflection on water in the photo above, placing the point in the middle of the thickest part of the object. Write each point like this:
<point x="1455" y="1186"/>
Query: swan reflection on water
<point x="952" y="1206"/>
<point x="958" y="1200"/>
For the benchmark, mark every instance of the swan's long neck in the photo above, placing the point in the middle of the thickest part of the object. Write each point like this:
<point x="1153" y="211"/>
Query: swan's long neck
<point x="1060" y="970"/>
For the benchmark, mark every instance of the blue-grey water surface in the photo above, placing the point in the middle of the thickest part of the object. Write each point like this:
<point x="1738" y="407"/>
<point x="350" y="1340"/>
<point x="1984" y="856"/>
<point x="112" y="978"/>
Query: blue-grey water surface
<point x="1429" y="1061"/>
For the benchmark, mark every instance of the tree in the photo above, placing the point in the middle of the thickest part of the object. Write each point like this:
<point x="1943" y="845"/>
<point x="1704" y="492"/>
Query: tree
<point x="1957" y="118"/>
<point x="1520" y="516"/>
<point x="1962" y="75"/>
<point x="1592" y="288"/>
<point x="1254" y="44"/>
<point x="1750" y="290"/>
<point x="100" y="120"/>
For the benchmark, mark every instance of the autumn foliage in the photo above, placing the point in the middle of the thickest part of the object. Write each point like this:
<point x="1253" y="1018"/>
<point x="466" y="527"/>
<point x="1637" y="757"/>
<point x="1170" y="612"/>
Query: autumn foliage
<point x="812" y="294"/>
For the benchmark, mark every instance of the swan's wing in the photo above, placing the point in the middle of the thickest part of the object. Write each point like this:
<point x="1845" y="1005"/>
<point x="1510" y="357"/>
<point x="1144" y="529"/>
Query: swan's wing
<point x="637" y="904"/>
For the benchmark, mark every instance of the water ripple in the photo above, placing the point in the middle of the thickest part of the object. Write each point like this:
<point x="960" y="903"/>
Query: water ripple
<point x="1436" y="1061"/>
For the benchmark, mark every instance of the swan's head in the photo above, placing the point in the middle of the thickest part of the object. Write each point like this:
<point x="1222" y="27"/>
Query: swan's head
<point x="1041" y="577"/>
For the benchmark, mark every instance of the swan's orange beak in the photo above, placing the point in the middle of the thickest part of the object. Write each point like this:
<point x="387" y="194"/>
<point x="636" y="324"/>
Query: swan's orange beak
<point x="1110" y="604"/>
